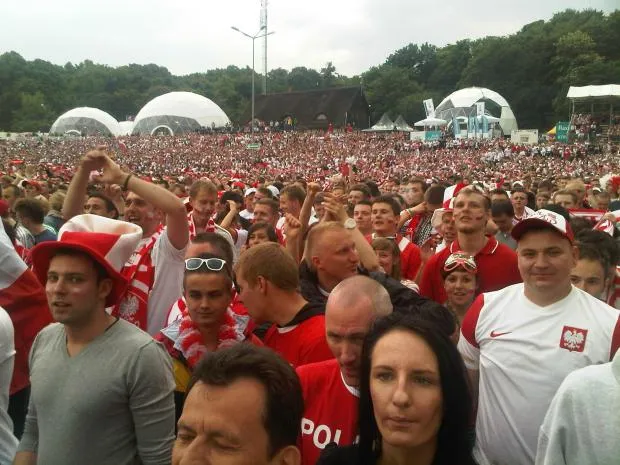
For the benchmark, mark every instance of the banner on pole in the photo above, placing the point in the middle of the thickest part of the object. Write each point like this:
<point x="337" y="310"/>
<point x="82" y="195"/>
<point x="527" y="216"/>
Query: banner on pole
<point x="561" y="131"/>
<point x="479" y="108"/>
<point x="455" y="127"/>
<point x="429" y="108"/>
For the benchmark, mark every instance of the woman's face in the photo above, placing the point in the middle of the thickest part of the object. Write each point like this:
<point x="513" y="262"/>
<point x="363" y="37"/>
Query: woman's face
<point x="208" y="295"/>
<point x="405" y="387"/>
<point x="257" y="237"/>
<point x="386" y="260"/>
<point x="460" y="288"/>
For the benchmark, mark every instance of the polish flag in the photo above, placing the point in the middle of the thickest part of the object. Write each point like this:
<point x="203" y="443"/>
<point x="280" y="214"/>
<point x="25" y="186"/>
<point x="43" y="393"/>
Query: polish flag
<point x="23" y="297"/>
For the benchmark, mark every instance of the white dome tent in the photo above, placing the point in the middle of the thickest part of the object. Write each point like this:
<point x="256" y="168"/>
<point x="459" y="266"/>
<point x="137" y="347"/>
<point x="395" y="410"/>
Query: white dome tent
<point x="125" y="127"/>
<point x="462" y="103"/>
<point x="85" y="121"/>
<point x="178" y="113"/>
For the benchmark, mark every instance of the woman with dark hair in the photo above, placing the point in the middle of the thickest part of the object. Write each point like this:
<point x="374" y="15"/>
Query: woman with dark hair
<point x="414" y="399"/>
<point x="260" y="233"/>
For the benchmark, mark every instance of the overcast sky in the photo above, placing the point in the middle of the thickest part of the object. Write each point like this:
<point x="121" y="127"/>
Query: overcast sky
<point x="192" y="36"/>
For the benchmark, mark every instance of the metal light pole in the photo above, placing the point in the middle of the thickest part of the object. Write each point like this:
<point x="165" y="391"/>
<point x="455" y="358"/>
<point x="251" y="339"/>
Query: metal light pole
<point x="258" y="35"/>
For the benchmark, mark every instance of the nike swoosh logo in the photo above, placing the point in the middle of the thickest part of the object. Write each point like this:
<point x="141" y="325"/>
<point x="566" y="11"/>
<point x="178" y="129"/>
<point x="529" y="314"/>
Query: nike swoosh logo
<point x="494" y="334"/>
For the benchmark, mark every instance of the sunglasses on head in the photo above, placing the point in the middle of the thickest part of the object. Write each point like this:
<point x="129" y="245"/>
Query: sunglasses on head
<point x="212" y="264"/>
<point x="457" y="260"/>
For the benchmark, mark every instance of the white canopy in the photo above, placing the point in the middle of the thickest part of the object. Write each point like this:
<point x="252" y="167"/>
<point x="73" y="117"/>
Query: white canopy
<point x="593" y="92"/>
<point x="431" y="122"/>
<point x="384" y="124"/>
<point x="402" y="125"/>
<point x="489" y="118"/>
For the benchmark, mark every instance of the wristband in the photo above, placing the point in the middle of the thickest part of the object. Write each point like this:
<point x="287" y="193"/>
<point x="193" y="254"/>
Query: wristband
<point x="126" y="183"/>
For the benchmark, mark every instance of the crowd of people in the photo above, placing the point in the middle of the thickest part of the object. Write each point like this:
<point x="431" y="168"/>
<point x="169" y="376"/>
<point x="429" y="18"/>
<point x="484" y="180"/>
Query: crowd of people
<point x="330" y="298"/>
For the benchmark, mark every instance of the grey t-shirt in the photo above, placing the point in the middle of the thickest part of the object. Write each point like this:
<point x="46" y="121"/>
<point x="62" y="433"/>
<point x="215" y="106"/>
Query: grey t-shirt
<point x="112" y="403"/>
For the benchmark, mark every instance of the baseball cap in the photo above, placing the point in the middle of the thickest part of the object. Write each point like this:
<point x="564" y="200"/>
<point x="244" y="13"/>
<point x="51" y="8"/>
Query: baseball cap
<point x="274" y="191"/>
<point x="544" y="218"/>
<point x="250" y="191"/>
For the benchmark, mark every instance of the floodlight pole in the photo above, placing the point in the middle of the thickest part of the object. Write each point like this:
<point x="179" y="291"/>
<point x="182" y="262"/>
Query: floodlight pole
<point x="258" y="35"/>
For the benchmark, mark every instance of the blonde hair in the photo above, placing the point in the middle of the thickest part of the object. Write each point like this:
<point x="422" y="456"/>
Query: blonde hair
<point x="314" y="237"/>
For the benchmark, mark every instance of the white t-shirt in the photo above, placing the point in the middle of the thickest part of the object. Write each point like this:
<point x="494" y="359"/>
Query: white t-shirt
<point x="8" y="442"/>
<point x="248" y="215"/>
<point x="523" y="353"/>
<point x="168" y="285"/>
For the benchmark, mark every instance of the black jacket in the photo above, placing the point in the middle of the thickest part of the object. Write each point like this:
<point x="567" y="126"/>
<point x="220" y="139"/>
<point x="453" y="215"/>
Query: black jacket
<point x="402" y="297"/>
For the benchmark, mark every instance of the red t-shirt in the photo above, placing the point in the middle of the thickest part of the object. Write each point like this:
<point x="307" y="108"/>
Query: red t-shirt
<point x="302" y="343"/>
<point x="497" y="268"/>
<point x="331" y="410"/>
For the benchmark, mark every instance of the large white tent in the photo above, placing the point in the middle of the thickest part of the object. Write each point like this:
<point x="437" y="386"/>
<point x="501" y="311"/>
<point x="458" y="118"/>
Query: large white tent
<point x="463" y="103"/>
<point x="178" y="113"/>
<point x="594" y="92"/>
<point x="125" y="127"/>
<point x="85" y="121"/>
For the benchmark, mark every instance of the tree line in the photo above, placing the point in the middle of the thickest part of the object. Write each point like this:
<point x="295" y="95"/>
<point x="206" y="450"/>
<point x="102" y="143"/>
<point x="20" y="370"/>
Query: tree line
<point x="532" y="69"/>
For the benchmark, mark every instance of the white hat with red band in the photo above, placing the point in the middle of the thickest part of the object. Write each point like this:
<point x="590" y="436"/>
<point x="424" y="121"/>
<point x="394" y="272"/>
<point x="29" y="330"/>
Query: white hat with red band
<point x="544" y="218"/>
<point x="110" y="243"/>
<point x="437" y="218"/>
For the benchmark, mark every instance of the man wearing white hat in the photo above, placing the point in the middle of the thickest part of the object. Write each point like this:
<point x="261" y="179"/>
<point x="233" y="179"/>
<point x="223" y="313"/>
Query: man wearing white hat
<point x="102" y="389"/>
<point x="155" y="269"/>
<point x="519" y="343"/>
<point x="248" y="213"/>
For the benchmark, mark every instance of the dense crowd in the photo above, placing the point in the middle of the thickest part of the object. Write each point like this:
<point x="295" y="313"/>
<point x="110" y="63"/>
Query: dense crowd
<point x="323" y="298"/>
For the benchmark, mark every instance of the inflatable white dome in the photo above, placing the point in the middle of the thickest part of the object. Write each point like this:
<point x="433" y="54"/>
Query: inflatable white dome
<point x="85" y="121"/>
<point x="125" y="127"/>
<point x="462" y="103"/>
<point x="178" y="113"/>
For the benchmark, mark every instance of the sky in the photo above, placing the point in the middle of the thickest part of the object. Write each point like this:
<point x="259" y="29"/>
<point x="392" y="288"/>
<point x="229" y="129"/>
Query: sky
<point x="191" y="36"/>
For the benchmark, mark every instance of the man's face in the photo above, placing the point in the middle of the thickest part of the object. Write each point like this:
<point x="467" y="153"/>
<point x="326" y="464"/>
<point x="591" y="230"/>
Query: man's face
<point x="503" y="222"/>
<point x="336" y="256"/>
<point x="97" y="206"/>
<point x="139" y="212"/>
<point x="73" y="293"/>
<point x="362" y="214"/>
<point x="414" y="194"/>
<point x="355" y="197"/>
<point x="258" y="236"/>
<point x="448" y="228"/>
<point x="265" y="214"/>
<point x="223" y="425"/>
<point x="346" y="327"/>
<point x="545" y="260"/>
<point x="541" y="201"/>
<point x="30" y="191"/>
<point x="565" y="200"/>
<point x="252" y="297"/>
<point x="203" y="205"/>
<point x="578" y="188"/>
<point x="519" y="201"/>
<point x="470" y="212"/>
<point x="498" y="198"/>
<point x="602" y="202"/>
<point x="249" y="202"/>
<point x="9" y="195"/>
<point x="289" y="205"/>
<point x="384" y="221"/>
<point x="208" y="296"/>
<point x="589" y="275"/>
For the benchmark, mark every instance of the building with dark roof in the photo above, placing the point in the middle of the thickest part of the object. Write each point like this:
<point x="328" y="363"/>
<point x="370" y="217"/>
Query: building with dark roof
<point x="314" y="109"/>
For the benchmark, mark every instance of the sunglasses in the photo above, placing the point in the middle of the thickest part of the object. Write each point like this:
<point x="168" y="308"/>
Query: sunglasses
<point x="457" y="260"/>
<point x="212" y="264"/>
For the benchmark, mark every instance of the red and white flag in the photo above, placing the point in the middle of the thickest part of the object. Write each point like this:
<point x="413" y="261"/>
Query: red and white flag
<point x="23" y="297"/>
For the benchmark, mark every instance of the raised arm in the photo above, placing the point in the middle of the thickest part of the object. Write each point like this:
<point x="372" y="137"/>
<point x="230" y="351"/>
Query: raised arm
<point x="74" y="201"/>
<point x="160" y="198"/>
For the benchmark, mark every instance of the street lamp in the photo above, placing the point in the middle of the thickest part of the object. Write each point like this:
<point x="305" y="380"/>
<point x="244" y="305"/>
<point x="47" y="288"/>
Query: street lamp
<point x="258" y="35"/>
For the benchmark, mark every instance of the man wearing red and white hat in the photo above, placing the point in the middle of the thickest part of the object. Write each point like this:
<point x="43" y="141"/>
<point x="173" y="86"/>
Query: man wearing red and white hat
<point x="102" y="390"/>
<point x="520" y="343"/>
<point x="155" y="269"/>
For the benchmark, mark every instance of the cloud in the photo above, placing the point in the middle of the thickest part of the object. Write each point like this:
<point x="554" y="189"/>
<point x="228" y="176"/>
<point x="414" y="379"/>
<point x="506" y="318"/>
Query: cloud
<point x="191" y="37"/>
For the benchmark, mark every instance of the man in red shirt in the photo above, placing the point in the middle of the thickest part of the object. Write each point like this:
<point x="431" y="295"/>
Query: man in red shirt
<point x="385" y="216"/>
<point x="330" y="387"/>
<point x="268" y="279"/>
<point x="497" y="263"/>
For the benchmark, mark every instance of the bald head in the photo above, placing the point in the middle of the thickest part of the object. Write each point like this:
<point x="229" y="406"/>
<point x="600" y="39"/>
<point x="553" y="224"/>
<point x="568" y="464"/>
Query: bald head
<point x="352" y="307"/>
<point x="360" y="291"/>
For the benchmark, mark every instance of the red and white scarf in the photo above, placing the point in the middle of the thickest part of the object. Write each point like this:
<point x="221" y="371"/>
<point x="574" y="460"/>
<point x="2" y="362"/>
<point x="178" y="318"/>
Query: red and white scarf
<point x="190" y="342"/>
<point x="140" y="271"/>
<point x="192" y="226"/>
